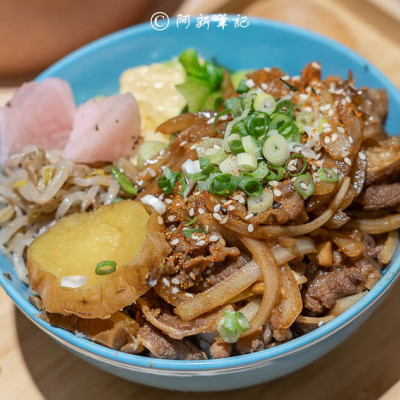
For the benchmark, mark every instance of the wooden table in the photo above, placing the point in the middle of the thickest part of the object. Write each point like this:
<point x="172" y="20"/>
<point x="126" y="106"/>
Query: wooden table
<point x="364" y="367"/>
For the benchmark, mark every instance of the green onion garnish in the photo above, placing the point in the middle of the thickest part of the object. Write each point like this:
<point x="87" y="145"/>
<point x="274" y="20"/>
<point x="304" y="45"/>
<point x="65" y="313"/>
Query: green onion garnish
<point x="234" y="105"/>
<point x="327" y="175"/>
<point x="105" y="267"/>
<point x="205" y="170"/>
<point x="260" y="203"/>
<point x="117" y="200"/>
<point x="250" y="185"/>
<point x="236" y="146"/>
<point x="276" y="150"/>
<point x="289" y="85"/>
<point x="190" y="221"/>
<point x="275" y="173"/>
<point x="251" y="146"/>
<point x="257" y="123"/>
<point x="294" y="170"/>
<point x="285" y="107"/>
<point x="217" y="117"/>
<point x="189" y="232"/>
<point x="264" y="102"/>
<point x="240" y="129"/>
<point x="261" y="172"/>
<point x="168" y="180"/>
<point x="232" y="325"/>
<point x="242" y="87"/>
<point x="246" y="162"/>
<point x="223" y="184"/>
<point x="304" y="185"/>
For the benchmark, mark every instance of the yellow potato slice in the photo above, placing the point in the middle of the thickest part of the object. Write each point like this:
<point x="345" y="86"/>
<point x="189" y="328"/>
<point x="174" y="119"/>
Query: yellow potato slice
<point x="122" y="232"/>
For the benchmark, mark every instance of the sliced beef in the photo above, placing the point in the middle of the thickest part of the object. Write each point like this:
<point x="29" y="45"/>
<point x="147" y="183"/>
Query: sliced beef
<point x="381" y="196"/>
<point x="326" y="288"/>
<point x="161" y="346"/>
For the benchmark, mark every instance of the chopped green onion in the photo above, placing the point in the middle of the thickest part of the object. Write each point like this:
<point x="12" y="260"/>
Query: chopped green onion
<point x="246" y="162"/>
<point x="264" y="102"/>
<point x="260" y="203"/>
<point x="250" y="146"/>
<point x="242" y="87"/>
<point x="215" y="155"/>
<point x="234" y="105"/>
<point x="124" y="182"/>
<point x="189" y="232"/>
<point x="105" y="267"/>
<point x="229" y="165"/>
<point x="239" y="128"/>
<point x="261" y="172"/>
<point x="276" y="150"/>
<point x="327" y="175"/>
<point x="236" y="146"/>
<point x="289" y="85"/>
<point x="305" y="185"/>
<point x="237" y="76"/>
<point x="190" y="221"/>
<point x="211" y="143"/>
<point x="205" y="170"/>
<point x="295" y="171"/>
<point x="250" y="185"/>
<point x="257" y="123"/>
<point x="232" y="325"/>
<point x="168" y="180"/>
<point x="279" y="120"/>
<point x="117" y="200"/>
<point x="275" y="173"/>
<point x="223" y="185"/>
<point x="217" y="117"/>
<point x="304" y="118"/>
<point x="228" y="139"/>
<point x="148" y="150"/>
<point x="285" y="107"/>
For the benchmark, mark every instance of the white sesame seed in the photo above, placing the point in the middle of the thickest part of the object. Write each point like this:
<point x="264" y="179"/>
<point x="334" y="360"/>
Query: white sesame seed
<point x="362" y="155"/>
<point x="160" y="220"/>
<point x="211" y="120"/>
<point x="351" y="140"/>
<point x="217" y="217"/>
<point x="340" y="129"/>
<point x="327" y="139"/>
<point x="307" y="109"/>
<point x="277" y="193"/>
<point x="213" y="238"/>
<point x="334" y="137"/>
<point x="330" y="113"/>
<point x="217" y="207"/>
<point x="343" y="101"/>
<point x="224" y="220"/>
<point x="320" y="323"/>
<point x="174" y="242"/>
<point x="327" y="129"/>
<point x="152" y="282"/>
<point x="168" y="201"/>
<point x="347" y="161"/>
<point x="200" y="243"/>
<point x="314" y="167"/>
<point x="231" y="208"/>
<point x="344" y="154"/>
<point x="194" y="236"/>
<point x="226" y="204"/>
<point x="250" y="228"/>
<point x="264" y="86"/>
<point x="193" y="147"/>
<point x="315" y="65"/>
<point x="223" y="117"/>
<point x="192" y="276"/>
<point x="241" y="200"/>
<point x="303" y="186"/>
<point x="201" y="211"/>
<point x="173" y="229"/>
<point x="175" y="290"/>
<point x="175" y="281"/>
<point x="274" y="183"/>
<point x="249" y="216"/>
<point x="191" y="212"/>
<point x="189" y="295"/>
<point x="166" y="282"/>
<point x="171" y="218"/>
<point x="183" y="143"/>
<point x="197" y="193"/>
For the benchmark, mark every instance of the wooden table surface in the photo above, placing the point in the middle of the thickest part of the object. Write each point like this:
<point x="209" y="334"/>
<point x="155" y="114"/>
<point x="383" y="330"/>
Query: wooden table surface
<point x="364" y="367"/>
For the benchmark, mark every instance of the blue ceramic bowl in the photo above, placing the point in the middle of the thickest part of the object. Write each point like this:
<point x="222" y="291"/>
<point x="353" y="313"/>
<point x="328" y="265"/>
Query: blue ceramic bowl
<point x="96" y="68"/>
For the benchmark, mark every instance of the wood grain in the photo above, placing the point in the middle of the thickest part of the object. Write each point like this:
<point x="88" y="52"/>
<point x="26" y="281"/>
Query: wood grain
<point x="364" y="367"/>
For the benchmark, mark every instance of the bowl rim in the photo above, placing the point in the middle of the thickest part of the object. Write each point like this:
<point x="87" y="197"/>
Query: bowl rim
<point x="131" y="361"/>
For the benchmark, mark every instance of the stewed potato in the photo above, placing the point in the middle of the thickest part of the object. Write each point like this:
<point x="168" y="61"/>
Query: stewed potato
<point x="94" y="264"/>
